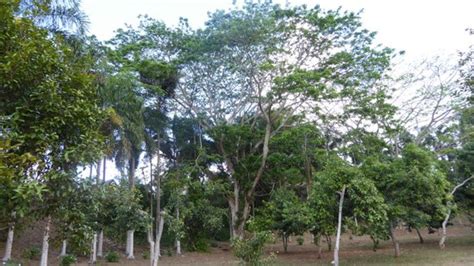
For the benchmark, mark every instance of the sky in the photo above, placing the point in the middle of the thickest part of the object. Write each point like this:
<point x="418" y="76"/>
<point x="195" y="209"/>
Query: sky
<point x="421" y="28"/>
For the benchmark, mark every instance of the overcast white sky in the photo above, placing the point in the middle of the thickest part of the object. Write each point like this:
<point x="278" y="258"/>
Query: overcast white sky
<point x="420" y="27"/>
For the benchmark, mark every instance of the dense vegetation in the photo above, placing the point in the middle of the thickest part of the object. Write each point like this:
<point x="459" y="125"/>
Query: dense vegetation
<point x="267" y="119"/>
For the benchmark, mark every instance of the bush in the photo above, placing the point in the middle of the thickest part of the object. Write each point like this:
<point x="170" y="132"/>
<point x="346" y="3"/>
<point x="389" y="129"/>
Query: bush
<point x="112" y="256"/>
<point x="31" y="253"/>
<point x="249" y="250"/>
<point x="201" y="245"/>
<point x="146" y="255"/>
<point x="67" y="260"/>
<point x="300" y="240"/>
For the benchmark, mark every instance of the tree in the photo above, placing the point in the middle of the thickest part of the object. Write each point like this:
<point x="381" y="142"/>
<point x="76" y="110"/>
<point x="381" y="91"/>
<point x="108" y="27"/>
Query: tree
<point x="250" y="71"/>
<point x="287" y="214"/>
<point x="50" y="109"/>
<point x="414" y="187"/>
<point x="359" y="194"/>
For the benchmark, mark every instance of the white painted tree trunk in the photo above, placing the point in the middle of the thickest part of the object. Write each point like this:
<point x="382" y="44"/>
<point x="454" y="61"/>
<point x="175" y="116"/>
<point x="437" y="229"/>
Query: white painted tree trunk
<point x="446" y="219"/>
<point x="127" y="246"/>
<point x="444" y="233"/>
<point x="64" y="248"/>
<point x="130" y="234"/>
<point x="178" y="241"/>
<point x="8" y="247"/>
<point x="152" y="244"/>
<point x="100" y="244"/>
<point x="178" y="247"/>
<point x="339" y="225"/>
<point x="156" y="252"/>
<point x="94" y="249"/>
<point x="45" y="248"/>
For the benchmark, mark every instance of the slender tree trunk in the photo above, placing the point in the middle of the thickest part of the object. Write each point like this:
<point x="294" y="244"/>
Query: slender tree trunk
<point x="444" y="233"/>
<point x="446" y="219"/>
<point x="159" y="232"/>
<point x="8" y="247"/>
<point x="130" y="235"/>
<point x="100" y="243"/>
<point x="64" y="248"/>
<point x="45" y="248"/>
<point x="127" y="245"/>
<point x="419" y="236"/>
<point x="99" y="163"/>
<point x="317" y="241"/>
<point x="396" y="244"/>
<point x="308" y="170"/>
<point x="339" y="226"/>
<point x="285" y="242"/>
<point x="90" y="170"/>
<point x="94" y="249"/>
<point x="152" y="245"/>
<point x="158" y="219"/>
<point x="329" y="242"/>
<point x="104" y="169"/>
<point x="178" y="241"/>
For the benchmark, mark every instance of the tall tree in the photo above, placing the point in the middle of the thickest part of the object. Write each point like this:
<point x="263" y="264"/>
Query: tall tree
<point x="249" y="70"/>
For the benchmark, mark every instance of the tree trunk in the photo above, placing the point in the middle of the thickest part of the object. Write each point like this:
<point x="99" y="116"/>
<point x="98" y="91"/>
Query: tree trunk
<point x="45" y="248"/>
<point x="100" y="244"/>
<point x="130" y="234"/>
<point x="329" y="242"/>
<point x="446" y="219"/>
<point x="104" y="169"/>
<point x="178" y="241"/>
<point x="444" y="234"/>
<point x="419" y="235"/>
<point x="159" y="218"/>
<point x="131" y="172"/>
<point x="317" y="241"/>
<point x="285" y="242"/>
<point x="8" y="247"/>
<point x="152" y="244"/>
<point x="64" y="248"/>
<point x="396" y="244"/>
<point x="339" y="226"/>
<point x="90" y="170"/>
<point x="159" y="232"/>
<point x="308" y="168"/>
<point x="98" y="172"/>
<point x="94" y="249"/>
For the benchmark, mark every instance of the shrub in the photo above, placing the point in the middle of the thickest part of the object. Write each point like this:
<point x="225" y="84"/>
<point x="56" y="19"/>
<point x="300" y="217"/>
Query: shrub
<point x="146" y="255"/>
<point x="201" y="245"/>
<point x="300" y="240"/>
<point x="67" y="260"/>
<point x="249" y="250"/>
<point x="31" y="253"/>
<point x="112" y="256"/>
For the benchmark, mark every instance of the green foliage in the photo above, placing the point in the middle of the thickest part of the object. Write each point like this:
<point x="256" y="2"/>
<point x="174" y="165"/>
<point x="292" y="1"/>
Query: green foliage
<point x="364" y="202"/>
<point x="200" y="244"/>
<point x="67" y="260"/>
<point x="31" y="253"/>
<point x="112" y="256"/>
<point x="250" y="250"/>
<point x="300" y="240"/>
<point x="287" y="214"/>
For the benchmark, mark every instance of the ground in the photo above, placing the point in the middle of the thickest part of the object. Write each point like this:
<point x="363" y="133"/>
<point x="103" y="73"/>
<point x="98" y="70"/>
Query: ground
<point x="356" y="251"/>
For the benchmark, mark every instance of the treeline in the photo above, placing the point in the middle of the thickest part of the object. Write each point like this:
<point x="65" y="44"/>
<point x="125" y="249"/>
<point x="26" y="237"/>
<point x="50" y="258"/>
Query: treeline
<point x="268" y="118"/>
